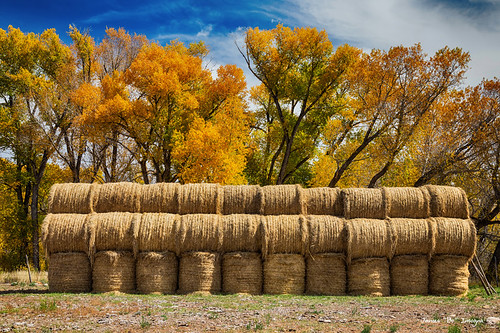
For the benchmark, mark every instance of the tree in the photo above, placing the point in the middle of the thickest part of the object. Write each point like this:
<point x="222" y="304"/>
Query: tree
<point x="301" y="76"/>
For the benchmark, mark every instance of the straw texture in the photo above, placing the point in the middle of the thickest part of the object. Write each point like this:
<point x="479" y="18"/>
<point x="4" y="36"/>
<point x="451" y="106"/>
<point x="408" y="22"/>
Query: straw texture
<point x="114" y="231"/>
<point x="242" y="273"/>
<point x="454" y="236"/>
<point x="76" y="198"/>
<point x="199" y="232"/>
<point x="326" y="234"/>
<point x="369" y="276"/>
<point x="364" y="203"/>
<point x="160" y="198"/>
<point x="156" y="272"/>
<point x="369" y="238"/>
<point x="413" y="236"/>
<point x="65" y="233"/>
<point x="241" y="232"/>
<point x="284" y="234"/>
<point x="118" y="197"/>
<point x="69" y="273"/>
<point x="284" y="274"/>
<point x="157" y="232"/>
<point x="326" y="274"/>
<point x="409" y="202"/>
<point x="242" y="199"/>
<point x="324" y="201"/>
<point x="448" y="201"/>
<point x="410" y="275"/>
<point x="283" y="200"/>
<point x="449" y="275"/>
<point x="201" y="199"/>
<point x="113" y="271"/>
<point x="200" y="272"/>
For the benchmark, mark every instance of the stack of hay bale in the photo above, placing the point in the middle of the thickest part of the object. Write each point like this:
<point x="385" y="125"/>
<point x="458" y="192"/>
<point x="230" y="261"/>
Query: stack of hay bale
<point x="168" y="238"/>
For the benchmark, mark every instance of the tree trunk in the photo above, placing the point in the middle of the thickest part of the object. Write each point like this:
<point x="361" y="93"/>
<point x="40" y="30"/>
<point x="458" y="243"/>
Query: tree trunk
<point x="380" y="174"/>
<point x="490" y="271"/>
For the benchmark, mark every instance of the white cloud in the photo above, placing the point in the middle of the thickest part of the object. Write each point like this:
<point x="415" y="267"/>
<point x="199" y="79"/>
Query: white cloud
<point x="384" y="23"/>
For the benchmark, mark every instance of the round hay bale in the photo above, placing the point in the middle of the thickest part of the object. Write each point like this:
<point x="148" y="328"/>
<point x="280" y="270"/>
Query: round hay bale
<point x="118" y="197"/>
<point x="199" y="232"/>
<point x="284" y="234"/>
<point x="410" y="275"/>
<point x="324" y="201"/>
<point x="65" y="233"/>
<point x="69" y="272"/>
<point x="448" y="201"/>
<point x="454" y="236"/>
<point x="409" y="202"/>
<point x="284" y="274"/>
<point x="242" y="199"/>
<point x="200" y="199"/>
<point x="242" y="273"/>
<point x="413" y="236"/>
<point x="157" y="232"/>
<point x="156" y="272"/>
<point x="326" y="274"/>
<point x="326" y="234"/>
<point x="160" y="198"/>
<point x="364" y="203"/>
<point x="283" y="200"/>
<point x="76" y="198"/>
<point x="199" y="272"/>
<point x="369" y="238"/>
<point x="449" y="275"/>
<point x="114" y="232"/>
<point x="113" y="271"/>
<point x="241" y="232"/>
<point x="369" y="276"/>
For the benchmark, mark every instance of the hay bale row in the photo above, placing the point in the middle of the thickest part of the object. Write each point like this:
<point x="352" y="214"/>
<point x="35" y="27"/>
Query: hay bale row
<point x="113" y="271"/>
<point x="69" y="272"/>
<point x="297" y="234"/>
<point x="242" y="273"/>
<point x="449" y="275"/>
<point x="200" y="272"/>
<point x="380" y="203"/>
<point x="326" y="274"/>
<point x="156" y="272"/>
<point x="409" y="275"/>
<point x="369" y="276"/>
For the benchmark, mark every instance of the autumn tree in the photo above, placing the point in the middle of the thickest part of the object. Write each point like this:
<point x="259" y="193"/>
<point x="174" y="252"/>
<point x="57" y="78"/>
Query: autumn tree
<point x="301" y="76"/>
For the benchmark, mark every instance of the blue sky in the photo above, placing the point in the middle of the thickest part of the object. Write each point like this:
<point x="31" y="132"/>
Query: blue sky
<point x="473" y="25"/>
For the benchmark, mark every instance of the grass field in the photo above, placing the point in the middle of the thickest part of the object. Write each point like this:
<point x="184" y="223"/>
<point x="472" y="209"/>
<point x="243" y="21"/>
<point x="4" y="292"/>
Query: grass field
<point x="25" y="307"/>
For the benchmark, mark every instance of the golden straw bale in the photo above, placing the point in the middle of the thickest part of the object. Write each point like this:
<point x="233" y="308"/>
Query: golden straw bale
<point x="242" y="273"/>
<point x="324" y="201"/>
<point x="364" y="203"/>
<point x="199" y="272"/>
<point x="410" y="275"/>
<point x="76" y="198"/>
<point x="114" y="232"/>
<point x="199" y="232"/>
<point x="69" y="272"/>
<point x="369" y="276"/>
<point x="160" y="198"/>
<point x="156" y="272"/>
<point x="118" y="197"/>
<point x="326" y="274"/>
<point x="241" y="232"/>
<point x="242" y="199"/>
<point x="284" y="234"/>
<point x="448" y="201"/>
<point x="413" y="236"/>
<point x="454" y="236"/>
<point x="201" y="199"/>
<point x="65" y="233"/>
<point x="113" y="271"/>
<point x="369" y="238"/>
<point x="449" y="275"/>
<point x="326" y="233"/>
<point x="283" y="200"/>
<point x="409" y="202"/>
<point x="284" y="274"/>
<point x="157" y="232"/>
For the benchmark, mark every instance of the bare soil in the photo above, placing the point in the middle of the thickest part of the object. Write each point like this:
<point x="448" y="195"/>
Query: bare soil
<point x="32" y="309"/>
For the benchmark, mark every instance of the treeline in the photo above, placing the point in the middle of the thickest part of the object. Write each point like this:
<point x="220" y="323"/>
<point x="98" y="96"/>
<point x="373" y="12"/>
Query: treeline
<point x="130" y="109"/>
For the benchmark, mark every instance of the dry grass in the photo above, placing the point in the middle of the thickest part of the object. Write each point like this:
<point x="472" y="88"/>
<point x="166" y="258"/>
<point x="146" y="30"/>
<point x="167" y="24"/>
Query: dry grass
<point x="22" y="276"/>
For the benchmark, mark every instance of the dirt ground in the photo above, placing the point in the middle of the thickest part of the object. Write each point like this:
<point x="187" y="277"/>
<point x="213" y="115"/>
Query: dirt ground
<point x="32" y="309"/>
